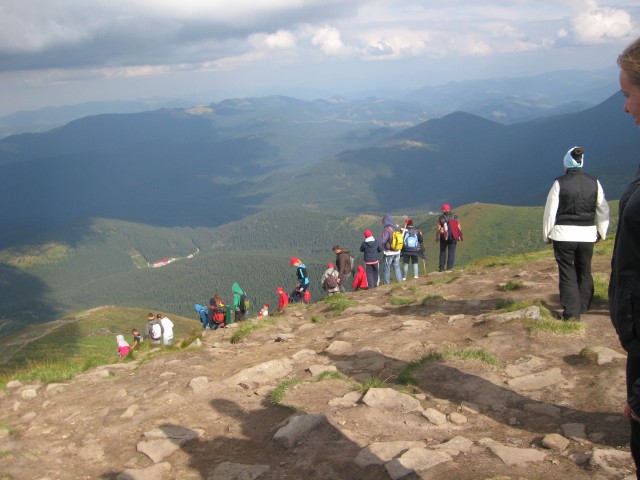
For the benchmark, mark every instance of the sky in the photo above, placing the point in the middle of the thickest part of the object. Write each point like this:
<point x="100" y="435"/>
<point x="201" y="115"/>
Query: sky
<point x="61" y="52"/>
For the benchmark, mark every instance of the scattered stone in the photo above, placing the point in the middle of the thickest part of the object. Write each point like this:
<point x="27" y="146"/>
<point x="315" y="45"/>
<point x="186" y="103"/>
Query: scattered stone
<point x="318" y="369"/>
<point x="457" y="418"/>
<point x="283" y="337"/>
<point x="366" y="309"/>
<point x="601" y="355"/>
<point x="576" y="431"/>
<point x="512" y="456"/>
<point x="27" y="417"/>
<point x="390" y="399"/>
<point x="368" y="352"/>
<point x="454" y="446"/>
<point x="304" y="354"/>
<point x="415" y="460"/>
<point x="130" y="412"/>
<point x="29" y="393"/>
<point x="262" y="373"/>
<point x="121" y="393"/>
<point x="536" y="381"/>
<point x="249" y="385"/>
<point x="197" y="343"/>
<point x="54" y="388"/>
<point x="525" y="365"/>
<point x="513" y="421"/>
<point x="455" y="318"/>
<point x="161" y="442"/>
<point x="379" y="453"/>
<point x="543" y="409"/>
<point x="199" y="384"/>
<point x="351" y="399"/>
<point x="414" y="324"/>
<point x="237" y="471"/>
<point x="93" y="375"/>
<point x="469" y="407"/>
<point x="167" y="374"/>
<point x="532" y="312"/>
<point x="91" y="450"/>
<point x="555" y="442"/>
<point x="613" y="462"/>
<point x="297" y="427"/>
<point x="338" y="347"/>
<point x="14" y="384"/>
<point x="154" y="472"/>
<point x="434" y="416"/>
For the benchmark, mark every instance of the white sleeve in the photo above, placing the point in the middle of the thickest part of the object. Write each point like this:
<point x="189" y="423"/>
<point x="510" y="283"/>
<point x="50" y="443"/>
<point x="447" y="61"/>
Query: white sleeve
<point x="602" y="213"/>
<point x="550" y="210"/>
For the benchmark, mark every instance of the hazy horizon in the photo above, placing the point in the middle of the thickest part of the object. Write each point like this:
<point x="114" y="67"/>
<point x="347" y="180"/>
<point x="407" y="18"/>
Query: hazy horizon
<point x="68" y="52"/>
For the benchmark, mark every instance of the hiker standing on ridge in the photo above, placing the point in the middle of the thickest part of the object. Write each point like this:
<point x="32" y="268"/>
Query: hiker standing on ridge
<point x="574" y="202"/>
<point x="330" y="279"/>
<point x="302" y="280"/>
<point x="371" y="250"/>
<point x="343" y="265"/>
<point x="412" y="249"/>
<point x="392" y="247"/>
<point x="448" y="234"/>
<point x="624" y="284"/>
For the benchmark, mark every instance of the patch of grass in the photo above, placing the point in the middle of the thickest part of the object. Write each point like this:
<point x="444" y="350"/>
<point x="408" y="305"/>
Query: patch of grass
<point x="512" y="259"/>
<point x="245" y="328"/>
<point x="557" y="327"/>
<point x="405" y="377"/>
<point x="601" y="288"/>
<point x="7" y="428"/>
<point x="512" y="285"/>
<point x="50" y="371"/>
<point x="372" y="383"/>
<point x="511" y="305"/>
<point x="402" y="300"/>
<point x="339" y="303"/>
<point x="277" y="395"/>
<point x="431" y="298"/>
<point x="315" y="319"/>
<point x="6" y="454"/>
<point x="446" y="279"/>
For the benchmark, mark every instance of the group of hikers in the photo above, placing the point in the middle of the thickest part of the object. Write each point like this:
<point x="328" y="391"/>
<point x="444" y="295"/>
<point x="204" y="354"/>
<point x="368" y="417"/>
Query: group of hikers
<point x="396" y="242"/>
<point x="159" y="330"/>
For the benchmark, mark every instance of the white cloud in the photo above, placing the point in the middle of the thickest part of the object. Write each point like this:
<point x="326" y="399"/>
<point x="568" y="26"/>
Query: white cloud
<point x="598" y="24"/>
<point x="328" y="39"/>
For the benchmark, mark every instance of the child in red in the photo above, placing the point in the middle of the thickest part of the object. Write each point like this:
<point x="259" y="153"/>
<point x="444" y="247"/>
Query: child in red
<point x="360" y="282"/>
<point x="283" y="299"/>
<point x="306" y="298"/>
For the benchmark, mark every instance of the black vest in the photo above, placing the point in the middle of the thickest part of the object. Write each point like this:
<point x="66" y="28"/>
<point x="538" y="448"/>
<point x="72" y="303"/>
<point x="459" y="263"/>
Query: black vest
<point x="578" y="198"/>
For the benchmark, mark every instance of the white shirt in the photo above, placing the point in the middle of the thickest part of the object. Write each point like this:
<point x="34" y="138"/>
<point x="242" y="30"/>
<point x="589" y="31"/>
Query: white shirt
<point x="574" y="233"/>
<point x="168" y="327"/>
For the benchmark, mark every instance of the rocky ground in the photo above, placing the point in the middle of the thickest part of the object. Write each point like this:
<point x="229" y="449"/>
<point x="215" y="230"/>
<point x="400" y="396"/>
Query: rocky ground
<point x="547" y="411"/>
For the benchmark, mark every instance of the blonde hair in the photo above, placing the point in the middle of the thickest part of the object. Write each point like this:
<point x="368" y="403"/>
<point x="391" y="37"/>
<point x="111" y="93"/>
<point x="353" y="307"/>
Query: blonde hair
<point x="629" y="61"/>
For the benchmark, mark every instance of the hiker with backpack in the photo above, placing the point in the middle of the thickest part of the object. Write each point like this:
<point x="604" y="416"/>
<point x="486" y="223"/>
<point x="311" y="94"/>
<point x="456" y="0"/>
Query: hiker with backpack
<point x="576" y="216"/>
<point x="330" y="280"/>
<point x="448" y="234"/>
<point x="217" y="310"/>
<point x="371" y="250"/>
<point x="302" y="280"/>
<point x="391" y="242"/>
<point x="412" y="248"/>
<point x="344" y="266"/>
<point x="240" y="304"/>
<point x="155" y="330"/>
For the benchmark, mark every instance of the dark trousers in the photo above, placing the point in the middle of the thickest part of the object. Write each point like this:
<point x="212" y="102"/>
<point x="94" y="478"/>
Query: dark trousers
<point x="633" y="373"/>
<point x="447" y="246"/>
<point x="344" y="282"/>
<point x="576" y="282"/>
<point x="372" y="274"/>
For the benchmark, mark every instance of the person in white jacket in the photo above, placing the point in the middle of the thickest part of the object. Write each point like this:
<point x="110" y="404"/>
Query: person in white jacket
<point x="576" y="216"/>
<point x="167" y="325"/>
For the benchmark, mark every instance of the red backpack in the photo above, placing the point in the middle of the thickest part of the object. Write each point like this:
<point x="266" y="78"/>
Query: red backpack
<point x="451" y="225"/>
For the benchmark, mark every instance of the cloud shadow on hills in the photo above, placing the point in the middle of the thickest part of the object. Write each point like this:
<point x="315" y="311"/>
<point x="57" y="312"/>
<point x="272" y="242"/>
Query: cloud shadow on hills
<point x="24" y="300"/>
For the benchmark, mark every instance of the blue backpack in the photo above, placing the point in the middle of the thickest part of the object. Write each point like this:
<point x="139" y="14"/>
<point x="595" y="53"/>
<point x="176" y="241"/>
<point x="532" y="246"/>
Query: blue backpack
<point x="411" y="241"/>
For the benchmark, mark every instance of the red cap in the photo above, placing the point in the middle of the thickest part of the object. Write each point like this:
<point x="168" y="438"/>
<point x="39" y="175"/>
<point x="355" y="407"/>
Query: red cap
<point x="279" y="289"/>
<point x="330" y="265"/>
<point x="367" y="233"/>
<point x="446" y="207"/>
<point x="406" y="222"/>
<point x="294" y="260"/>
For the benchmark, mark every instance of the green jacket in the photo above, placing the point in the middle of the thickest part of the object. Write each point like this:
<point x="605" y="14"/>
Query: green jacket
<point x="237" y="291"/>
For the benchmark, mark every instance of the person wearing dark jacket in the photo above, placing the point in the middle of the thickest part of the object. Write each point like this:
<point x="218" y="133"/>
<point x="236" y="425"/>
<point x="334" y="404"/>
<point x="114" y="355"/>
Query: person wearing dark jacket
<point x="371" y="249"/>
<point x="576" y="216"/>
<point x="343" y="265"/>
<point x="412" y="248"/>
<point x="624" y="283"/>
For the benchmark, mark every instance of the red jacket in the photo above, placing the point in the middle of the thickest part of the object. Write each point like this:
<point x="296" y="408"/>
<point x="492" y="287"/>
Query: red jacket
<point x="283" y="300"/>
<point x="361" y="279"/>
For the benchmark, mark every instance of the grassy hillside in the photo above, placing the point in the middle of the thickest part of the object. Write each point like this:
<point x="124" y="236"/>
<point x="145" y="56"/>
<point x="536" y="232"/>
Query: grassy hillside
<point x="83" y="337"/>
<point x="104" y="262"/>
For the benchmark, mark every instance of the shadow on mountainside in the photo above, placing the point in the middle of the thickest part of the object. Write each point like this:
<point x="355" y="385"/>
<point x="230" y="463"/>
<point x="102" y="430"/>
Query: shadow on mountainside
<point x="24" y="300"/>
